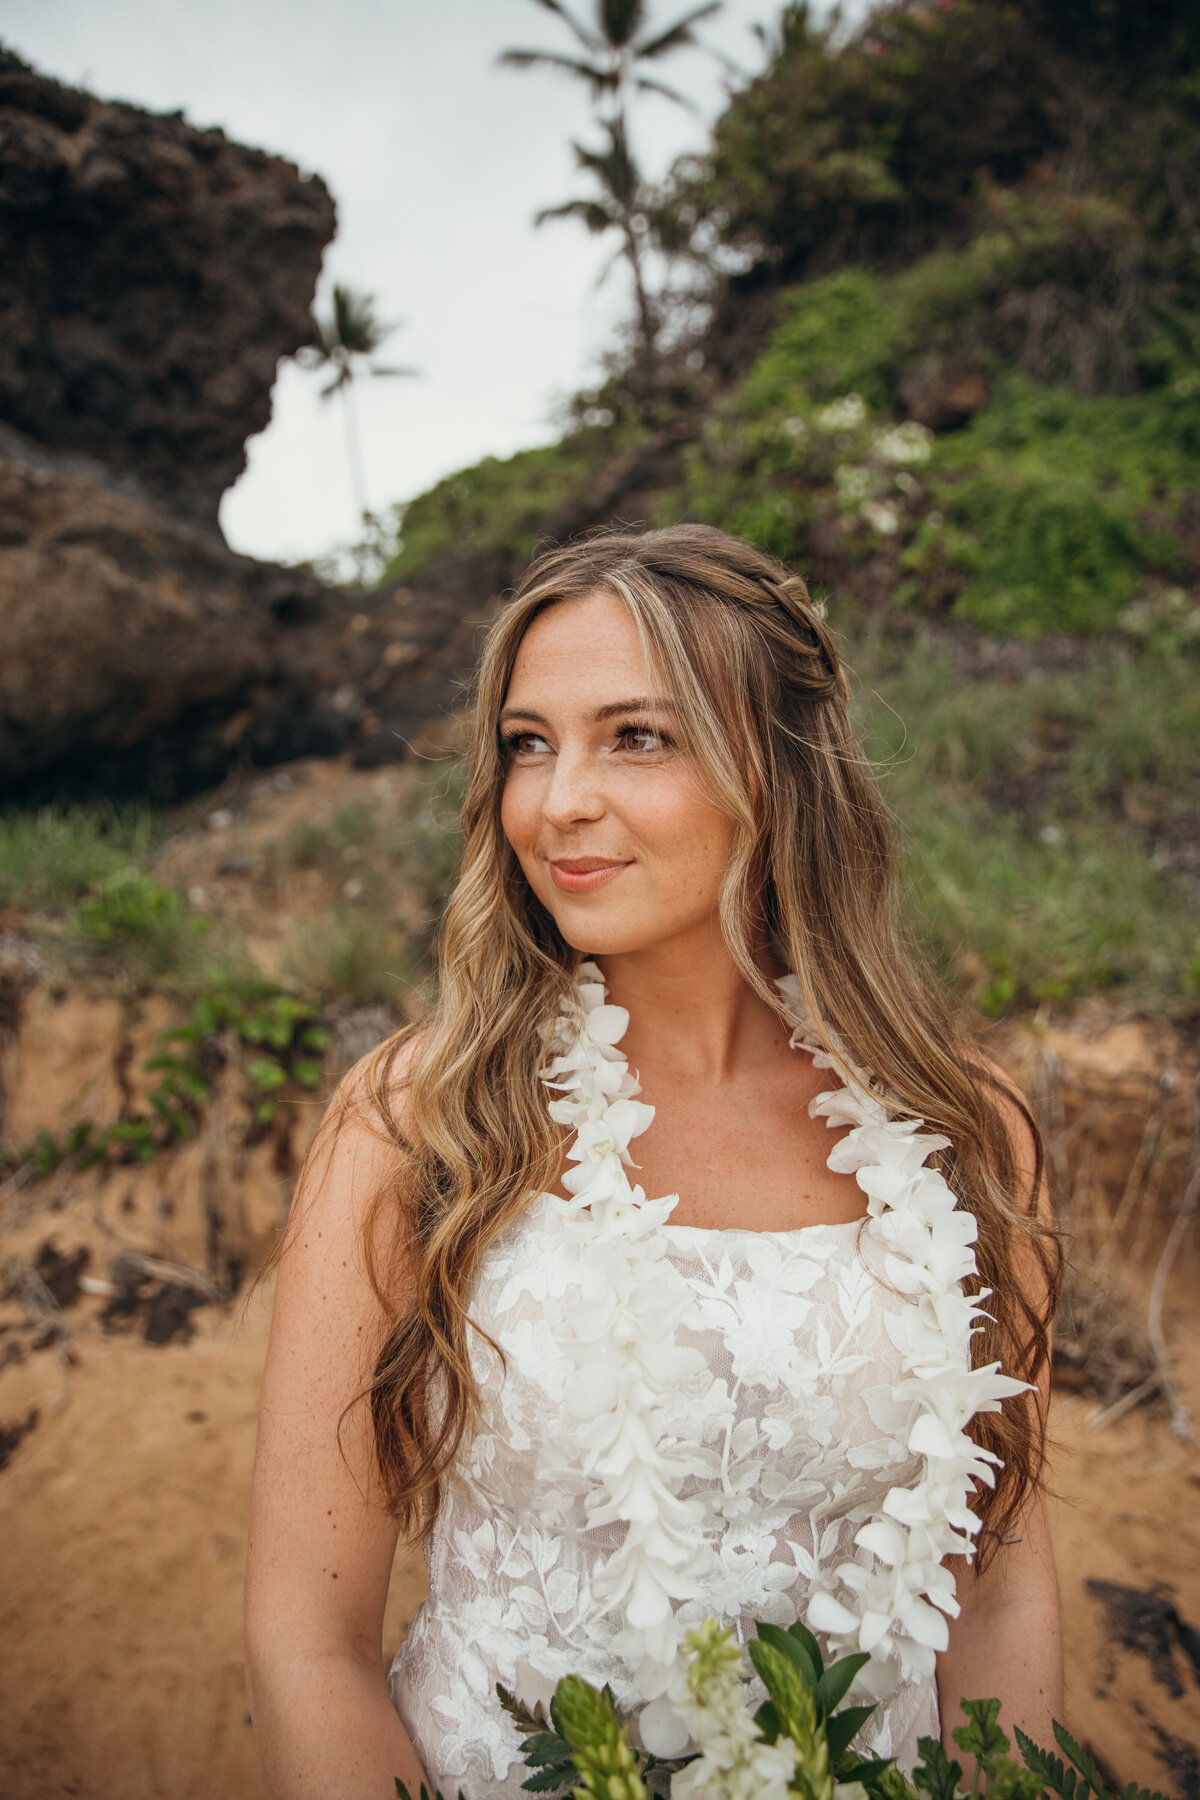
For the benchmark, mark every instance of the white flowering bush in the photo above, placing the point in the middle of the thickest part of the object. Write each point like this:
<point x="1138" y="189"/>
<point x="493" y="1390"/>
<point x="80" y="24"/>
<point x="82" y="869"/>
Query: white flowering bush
<point x="846" y="414"/>
<point x="882" y="516"/>
<point x="873" y="477"/>
<point x="907" y="443"/>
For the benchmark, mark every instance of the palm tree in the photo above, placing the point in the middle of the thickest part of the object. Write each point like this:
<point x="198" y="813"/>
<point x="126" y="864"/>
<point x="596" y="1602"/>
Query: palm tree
<point x="616" y="207"/>
<point x="615" y="48"/>
<point x="343" y="340"/>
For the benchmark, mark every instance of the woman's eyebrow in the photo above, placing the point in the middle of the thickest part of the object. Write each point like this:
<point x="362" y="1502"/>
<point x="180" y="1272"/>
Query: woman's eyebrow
<point x="641" y="703"/>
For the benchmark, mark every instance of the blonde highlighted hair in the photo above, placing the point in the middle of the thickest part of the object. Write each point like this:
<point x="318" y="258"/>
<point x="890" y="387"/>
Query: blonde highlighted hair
<point x="763" y="702"/>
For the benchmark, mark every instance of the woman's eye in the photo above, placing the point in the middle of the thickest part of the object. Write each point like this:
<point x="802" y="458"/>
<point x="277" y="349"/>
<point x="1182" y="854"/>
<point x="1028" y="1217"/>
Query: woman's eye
<point x="643" y="739"/>
<point x="522" y="743"/>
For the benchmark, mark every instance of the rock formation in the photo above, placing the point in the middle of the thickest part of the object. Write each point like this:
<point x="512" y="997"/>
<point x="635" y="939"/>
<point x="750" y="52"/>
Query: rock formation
<point x="141" y="653"/>
<point x="151" y="277"/>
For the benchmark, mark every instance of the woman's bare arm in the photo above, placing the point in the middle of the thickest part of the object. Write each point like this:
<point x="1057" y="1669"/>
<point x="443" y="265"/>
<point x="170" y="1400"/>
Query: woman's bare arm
<point x="321" y="1540"/>
<point x="1007" y="1641"/>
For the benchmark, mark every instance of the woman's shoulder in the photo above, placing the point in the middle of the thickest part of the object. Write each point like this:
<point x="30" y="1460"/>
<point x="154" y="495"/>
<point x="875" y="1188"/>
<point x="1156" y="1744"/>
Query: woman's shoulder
<point x="1012" y="1106"/>
<point x="366" y="1136"/>
<point x="377" y="1089"/>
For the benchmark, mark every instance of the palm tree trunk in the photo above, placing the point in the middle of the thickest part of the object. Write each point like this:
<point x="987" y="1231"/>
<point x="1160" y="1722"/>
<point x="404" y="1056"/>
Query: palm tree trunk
<point x="647" y="320"/>
<point x="354" y="450"/>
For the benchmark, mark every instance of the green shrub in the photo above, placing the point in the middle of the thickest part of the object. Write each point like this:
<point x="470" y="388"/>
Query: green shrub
<point x="498" y="504"/>
<point x="50" y="856"/>
<point x="1059" y="507"/>
<point x="131" y="924"/>
<point x="841" y="334"/>
<point x="1035" y="814"/>
<point x="1051" y="511"/>
<point x="355" y="954"/>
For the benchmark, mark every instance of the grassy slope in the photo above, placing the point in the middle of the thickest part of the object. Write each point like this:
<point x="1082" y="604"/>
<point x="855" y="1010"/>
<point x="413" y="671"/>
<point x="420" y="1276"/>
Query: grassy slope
<point x="1045" y="787"/>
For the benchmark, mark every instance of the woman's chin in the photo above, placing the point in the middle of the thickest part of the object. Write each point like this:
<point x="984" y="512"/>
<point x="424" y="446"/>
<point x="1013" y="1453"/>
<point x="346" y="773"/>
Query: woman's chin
<point x="597" y="939"/>
<point x="590" y="931"/>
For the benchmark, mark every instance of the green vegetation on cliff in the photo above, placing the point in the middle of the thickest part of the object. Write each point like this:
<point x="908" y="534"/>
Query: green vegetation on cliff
<point x="1049" y="510"/>
<point x="501" y="505"/>
<point x="970" y="413"/>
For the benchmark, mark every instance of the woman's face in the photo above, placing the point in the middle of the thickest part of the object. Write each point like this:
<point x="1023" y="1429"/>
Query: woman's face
<point x="602" y="804"/>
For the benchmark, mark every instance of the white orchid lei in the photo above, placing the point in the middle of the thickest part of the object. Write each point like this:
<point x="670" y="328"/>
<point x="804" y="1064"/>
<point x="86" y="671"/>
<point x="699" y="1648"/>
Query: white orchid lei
<point x="891" y="1602"/>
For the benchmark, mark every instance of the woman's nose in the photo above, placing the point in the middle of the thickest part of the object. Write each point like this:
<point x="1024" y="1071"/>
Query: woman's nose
<point x="573" y="791"/>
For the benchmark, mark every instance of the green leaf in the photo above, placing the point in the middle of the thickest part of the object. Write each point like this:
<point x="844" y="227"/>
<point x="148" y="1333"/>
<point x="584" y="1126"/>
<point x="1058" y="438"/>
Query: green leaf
<point x="792" y="1648"/>
<point x="935" y="1774"/>
<point x="791" y="1690"/>
<point x="526" y="1720"/>
<point x="844" y="1727"/>
<point x="544" y="1747"/>
<point x="981" y="1736"/>
<point x="1083" y="1762"/>
<point x="881" y="1779"/>
<point x="307" y="1072"/>
<point x="805" y="1638"/>
<point x="836" y="1680"/>
<point x="1055" y="1776"/>
<point x="1007" y="1780"/>
<point x="552" y="1779"/>
<point x="266" y="1073"/>
<point x="878" y="1775"/>
<point x="767" y="1720"/>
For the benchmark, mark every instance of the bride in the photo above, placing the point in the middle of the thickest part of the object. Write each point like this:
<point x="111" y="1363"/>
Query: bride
<point x="667" y="1270"/>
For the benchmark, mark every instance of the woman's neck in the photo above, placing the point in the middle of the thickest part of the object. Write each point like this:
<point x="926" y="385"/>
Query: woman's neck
<point x="693" y="1014"/>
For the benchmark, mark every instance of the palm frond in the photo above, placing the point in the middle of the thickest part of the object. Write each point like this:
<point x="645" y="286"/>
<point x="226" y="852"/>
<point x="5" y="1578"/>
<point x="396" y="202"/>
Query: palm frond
<point x="620" y="21"/>
<point x="593" y="214"/>
<point x="613" y="167"/>
<point x="351" y="325"/>
<point x="679" y="36"/>
<point x="651" y="86"/>
<point x="599" y="80"/>
<point x="587" y="38"/>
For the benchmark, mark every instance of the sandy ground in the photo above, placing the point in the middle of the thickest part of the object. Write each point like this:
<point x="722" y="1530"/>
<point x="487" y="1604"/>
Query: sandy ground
<point x="122" y="1541"/>
<point x="122" y="1531"/>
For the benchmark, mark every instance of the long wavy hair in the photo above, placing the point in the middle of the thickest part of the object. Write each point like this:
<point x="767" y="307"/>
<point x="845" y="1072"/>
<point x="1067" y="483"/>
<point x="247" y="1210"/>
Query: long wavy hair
<point x="763" y="704"/>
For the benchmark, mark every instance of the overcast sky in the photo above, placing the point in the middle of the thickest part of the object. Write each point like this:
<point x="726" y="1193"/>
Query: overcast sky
<point x="437" y="160"/>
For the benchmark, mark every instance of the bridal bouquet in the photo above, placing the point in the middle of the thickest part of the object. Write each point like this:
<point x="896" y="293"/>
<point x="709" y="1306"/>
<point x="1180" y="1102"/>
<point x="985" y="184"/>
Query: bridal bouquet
<point x="797" y="1745"/>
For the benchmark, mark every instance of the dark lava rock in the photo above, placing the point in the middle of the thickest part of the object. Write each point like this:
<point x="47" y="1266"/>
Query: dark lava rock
<point x="141" y="654"/>
<point x="61" y="1273"/>
<point x="151" y="277"/>
<point x="169" y="1315"/>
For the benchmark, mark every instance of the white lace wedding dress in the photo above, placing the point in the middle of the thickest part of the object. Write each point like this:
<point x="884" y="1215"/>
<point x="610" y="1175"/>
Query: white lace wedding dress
<point x="770" y="1417"/>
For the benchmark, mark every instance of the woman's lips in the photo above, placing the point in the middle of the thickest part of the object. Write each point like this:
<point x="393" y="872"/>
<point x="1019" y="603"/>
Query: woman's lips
<point x="583" y="874"/>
